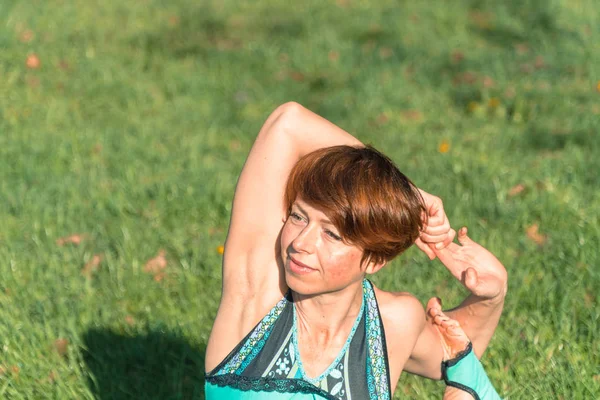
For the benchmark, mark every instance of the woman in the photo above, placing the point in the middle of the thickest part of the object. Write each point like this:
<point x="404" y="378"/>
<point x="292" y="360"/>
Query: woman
<point x="296" y="308"/>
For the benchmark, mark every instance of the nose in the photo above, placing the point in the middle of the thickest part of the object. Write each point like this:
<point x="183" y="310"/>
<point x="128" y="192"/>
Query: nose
<point x="305" y="241"/>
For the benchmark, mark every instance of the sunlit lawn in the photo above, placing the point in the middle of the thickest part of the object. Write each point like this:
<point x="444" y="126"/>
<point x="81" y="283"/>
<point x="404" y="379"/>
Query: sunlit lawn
<point x="127" y="124"/>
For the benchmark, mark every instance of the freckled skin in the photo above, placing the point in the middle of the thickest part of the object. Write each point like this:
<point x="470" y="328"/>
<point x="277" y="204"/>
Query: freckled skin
<point x="309" y="240"/>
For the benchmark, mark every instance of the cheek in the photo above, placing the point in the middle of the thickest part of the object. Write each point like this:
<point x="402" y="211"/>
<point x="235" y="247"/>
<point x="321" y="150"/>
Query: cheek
<point x="344" y="263"/>
<point x="285" y="237"/>
<point x="288" y="233"/>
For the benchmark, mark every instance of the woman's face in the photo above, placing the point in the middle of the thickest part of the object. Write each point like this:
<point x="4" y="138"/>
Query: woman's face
<point x="315" y="258"/>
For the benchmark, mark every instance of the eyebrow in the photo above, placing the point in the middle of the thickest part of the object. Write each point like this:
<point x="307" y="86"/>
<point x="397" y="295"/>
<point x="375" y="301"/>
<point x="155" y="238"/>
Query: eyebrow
<point x="324" y="220"/>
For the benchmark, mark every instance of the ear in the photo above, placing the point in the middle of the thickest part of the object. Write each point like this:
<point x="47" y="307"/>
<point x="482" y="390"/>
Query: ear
<point x="373" y="267"/>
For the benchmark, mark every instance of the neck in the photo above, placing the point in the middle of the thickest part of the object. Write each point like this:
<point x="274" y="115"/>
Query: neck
<point x="328" y="316"/>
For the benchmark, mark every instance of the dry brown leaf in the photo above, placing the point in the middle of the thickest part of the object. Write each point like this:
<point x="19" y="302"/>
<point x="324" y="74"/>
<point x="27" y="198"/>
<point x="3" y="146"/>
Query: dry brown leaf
<point x="468" y="78"/>
<point x="522" y="48"/>
<point x="539" y="62"/>
<point x="92" y="265"/>
<point x="297" y="76"/>
<point x="52" y="376"/>
<point x="457" y="56"/>
<point x="157" y="264"/>
<point x="75" y="239"/>
<point x="61" y="346"/>
<point x="515" y="190"/>
<point x="382" y="119"/>
<point x="534" y="234"/>
<point x="173" y="20"/>
<point x="215" y="230"/>
<point x="526" y="68"/>
<point x="588" y="299"/>
<point x="368" y="46"/>
<point x="33" y="82"/>
<point x="413" y="115"/>
<point x="284" y="57"/>
<point x="385" y="53"/>
<point x="33" y="61"/>
<point x="481" y="19"/>
<point x="26" y="36"/>
<point x="64" y="65"/>
<point x="510" y="92"/>
<point x="235" y="145"/>
<point x="488" y="82"/>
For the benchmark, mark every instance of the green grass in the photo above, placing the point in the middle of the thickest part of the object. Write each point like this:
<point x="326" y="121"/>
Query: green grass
<point x="135" y="127"/>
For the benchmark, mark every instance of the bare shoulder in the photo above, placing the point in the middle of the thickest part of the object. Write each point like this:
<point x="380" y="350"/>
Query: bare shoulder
<point x="403" y="318"/>
<point x="401" y="312"/>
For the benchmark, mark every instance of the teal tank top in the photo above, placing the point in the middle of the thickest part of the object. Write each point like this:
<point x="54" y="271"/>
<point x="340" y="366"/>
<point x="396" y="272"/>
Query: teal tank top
<point x="266" y="364"/>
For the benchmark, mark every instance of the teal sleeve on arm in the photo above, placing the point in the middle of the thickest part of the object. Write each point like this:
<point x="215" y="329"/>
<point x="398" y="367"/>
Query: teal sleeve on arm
<point x="465" y="372"/>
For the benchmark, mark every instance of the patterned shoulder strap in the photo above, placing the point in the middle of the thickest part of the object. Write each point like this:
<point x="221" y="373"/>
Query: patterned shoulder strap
<point x="254" y="342"/>
<point x="377" y="363"/>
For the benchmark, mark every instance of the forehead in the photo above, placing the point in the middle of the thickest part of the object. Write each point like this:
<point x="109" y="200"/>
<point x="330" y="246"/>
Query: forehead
<point x="312" y="212"/>
<point x="300" y="203"/>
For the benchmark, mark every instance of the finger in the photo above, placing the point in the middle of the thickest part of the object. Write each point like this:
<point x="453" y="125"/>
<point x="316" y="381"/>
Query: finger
<point x="440" y="319"/>
<point x="434" y="304"/>
<point x="453" y="251"/>
<point x="425" y="219"/>
<point x="462" y="236"/>
<point x="450" y="323"/>
<point x="435" y="215"/>
<point x="434" y="312"/>
<point x="427" y="238"/>
<point x="439" y="229"/>
<point x="447" y="241"/>
<point x="425" y="249"/>
<point x="470" y="279"/>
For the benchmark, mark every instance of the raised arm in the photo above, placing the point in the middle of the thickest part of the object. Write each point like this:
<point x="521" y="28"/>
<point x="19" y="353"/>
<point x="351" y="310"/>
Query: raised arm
<point x="258" y="213"/>
<point x="478" y="315"/>
<point x="253" y="278"/>
<point x="486" y="278"/>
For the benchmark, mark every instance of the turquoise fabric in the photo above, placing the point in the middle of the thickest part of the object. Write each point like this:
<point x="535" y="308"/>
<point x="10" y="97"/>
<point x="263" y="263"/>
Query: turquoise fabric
<point x="214" y="392"/>
<point x="466" y="373"/>
<point x="266" y="364"/>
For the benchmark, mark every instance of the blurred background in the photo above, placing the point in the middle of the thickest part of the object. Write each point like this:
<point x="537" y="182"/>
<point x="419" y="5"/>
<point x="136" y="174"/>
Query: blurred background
<point x="124" y="126"/>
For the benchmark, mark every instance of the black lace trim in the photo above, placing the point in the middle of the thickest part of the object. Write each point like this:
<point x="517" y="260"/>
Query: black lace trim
<point x="246" y="383"/>
<point x="450" y="363"/>
<point x="459" y="356"/>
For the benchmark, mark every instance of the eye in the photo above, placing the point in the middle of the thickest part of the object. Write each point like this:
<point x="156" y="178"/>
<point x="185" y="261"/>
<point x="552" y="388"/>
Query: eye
<point x="296" y="217"/>
<point x="333" y="235"/>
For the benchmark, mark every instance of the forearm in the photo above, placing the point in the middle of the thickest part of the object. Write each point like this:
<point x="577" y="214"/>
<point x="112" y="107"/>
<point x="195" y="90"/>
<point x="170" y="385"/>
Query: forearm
<point x="478" y="318"/>
<point x="309" y="131"/>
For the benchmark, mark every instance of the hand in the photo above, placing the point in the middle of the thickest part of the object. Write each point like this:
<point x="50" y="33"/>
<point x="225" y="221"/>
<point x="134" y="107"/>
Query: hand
<point x="436" y="229"/>
<point x="478" y="269"/>
<point x="452" y="338"/>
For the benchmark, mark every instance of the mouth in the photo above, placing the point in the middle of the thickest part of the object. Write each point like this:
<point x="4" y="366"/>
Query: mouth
<point x="298" y="267"/>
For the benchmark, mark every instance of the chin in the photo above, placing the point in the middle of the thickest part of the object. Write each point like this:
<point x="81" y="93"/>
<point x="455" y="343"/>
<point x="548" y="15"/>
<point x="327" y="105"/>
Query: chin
<point x="300" y="285"/>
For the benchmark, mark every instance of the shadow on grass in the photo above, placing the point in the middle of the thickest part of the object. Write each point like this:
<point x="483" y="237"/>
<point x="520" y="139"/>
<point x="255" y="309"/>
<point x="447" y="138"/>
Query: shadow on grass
<point x="157" y="365"/>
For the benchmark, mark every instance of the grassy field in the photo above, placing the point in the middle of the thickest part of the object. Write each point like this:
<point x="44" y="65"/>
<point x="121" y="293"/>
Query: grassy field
<point x="126" y="124"/>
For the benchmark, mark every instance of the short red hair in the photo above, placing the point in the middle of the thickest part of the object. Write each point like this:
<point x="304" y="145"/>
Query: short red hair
<point x="373" y="205"/>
